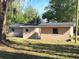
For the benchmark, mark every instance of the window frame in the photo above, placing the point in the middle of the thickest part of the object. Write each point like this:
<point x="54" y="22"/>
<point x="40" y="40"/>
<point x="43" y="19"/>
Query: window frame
<point x="12" y="29"/>
<point x="55" y="31"/>
<point x="27" y="30"/>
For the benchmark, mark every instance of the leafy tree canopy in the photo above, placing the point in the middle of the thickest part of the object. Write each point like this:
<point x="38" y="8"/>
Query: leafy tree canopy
<point x="15" y="14"/>
<point x="61" y="10"/>
<point x="30" y="14"/>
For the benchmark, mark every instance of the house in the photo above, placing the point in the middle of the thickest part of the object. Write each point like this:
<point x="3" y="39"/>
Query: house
<point x="44" y="31"/>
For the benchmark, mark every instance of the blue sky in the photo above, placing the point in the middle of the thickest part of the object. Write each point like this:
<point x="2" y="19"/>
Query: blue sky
<point x="39" y="5"/>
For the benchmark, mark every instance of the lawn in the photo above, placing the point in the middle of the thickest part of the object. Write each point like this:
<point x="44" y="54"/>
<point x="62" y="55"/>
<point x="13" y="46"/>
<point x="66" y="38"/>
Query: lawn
<point x="40" y="49"/>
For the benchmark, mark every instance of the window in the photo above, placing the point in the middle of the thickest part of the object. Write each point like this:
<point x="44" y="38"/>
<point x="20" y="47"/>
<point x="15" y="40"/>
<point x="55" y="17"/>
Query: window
<point x="55" y="31"/>
<point x="27" y="30"/>
<point x="12" y="30"/>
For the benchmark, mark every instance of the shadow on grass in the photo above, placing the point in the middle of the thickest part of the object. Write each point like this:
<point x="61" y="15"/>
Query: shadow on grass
<point x="10" y="55"/>
<point x="71" y="51"/>
<point x="59" y="50"/>
<point x="53" y="49"/>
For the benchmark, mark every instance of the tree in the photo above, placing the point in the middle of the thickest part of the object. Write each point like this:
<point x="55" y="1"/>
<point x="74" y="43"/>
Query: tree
<point x="3" y="11"/>
<point x="15" y="14"/>
<point x="61" y="10"/>
<point x="48" y="14"/>
<point x="16" y="18"/>
<point x="30" y="14"/>
<point x="77" y="22"/>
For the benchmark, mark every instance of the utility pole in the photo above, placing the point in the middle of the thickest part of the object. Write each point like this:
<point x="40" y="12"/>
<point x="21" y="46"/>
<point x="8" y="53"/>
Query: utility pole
<point x="76" y="19"/>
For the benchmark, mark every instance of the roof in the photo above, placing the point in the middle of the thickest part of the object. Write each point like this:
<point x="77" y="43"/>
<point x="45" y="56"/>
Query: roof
<point x="69" y="24"/>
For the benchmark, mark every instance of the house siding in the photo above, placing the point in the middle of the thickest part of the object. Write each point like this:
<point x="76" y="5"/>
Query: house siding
<point x="63" y="33"/>
<point x="16" y="32"/>
<point x="33" y="32"/>
<point x="46" y="33"/>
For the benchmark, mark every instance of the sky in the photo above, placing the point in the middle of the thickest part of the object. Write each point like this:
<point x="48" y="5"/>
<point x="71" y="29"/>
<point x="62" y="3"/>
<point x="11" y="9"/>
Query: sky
<point x="39" y="5"/>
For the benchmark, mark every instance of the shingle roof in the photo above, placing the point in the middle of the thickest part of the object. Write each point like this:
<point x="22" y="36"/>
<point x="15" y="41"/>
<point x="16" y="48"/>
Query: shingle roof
<point x="46" y="25"/>
<point x="58" y="24"/>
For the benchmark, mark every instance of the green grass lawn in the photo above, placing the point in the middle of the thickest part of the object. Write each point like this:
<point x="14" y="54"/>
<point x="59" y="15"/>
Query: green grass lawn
<point x="41" y="49"/>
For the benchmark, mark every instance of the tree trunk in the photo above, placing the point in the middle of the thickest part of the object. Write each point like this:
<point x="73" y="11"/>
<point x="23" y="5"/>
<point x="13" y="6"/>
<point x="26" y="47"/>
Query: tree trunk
<point x="1" y="25"/>
<point x="3" y="6"/>
<point x="5" y="22"/>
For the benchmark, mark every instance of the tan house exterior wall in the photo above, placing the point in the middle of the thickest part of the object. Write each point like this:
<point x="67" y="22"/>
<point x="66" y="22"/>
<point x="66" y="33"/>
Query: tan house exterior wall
<point x="16" y="32"/>
<point x="26" y="34"/>
<point x="63" y="33"/>
<point x="46" y="33"/>
<point x="31" y="31"/>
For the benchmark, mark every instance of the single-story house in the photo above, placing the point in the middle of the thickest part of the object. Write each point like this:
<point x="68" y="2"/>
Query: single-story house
<point x="44" y="30"/>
